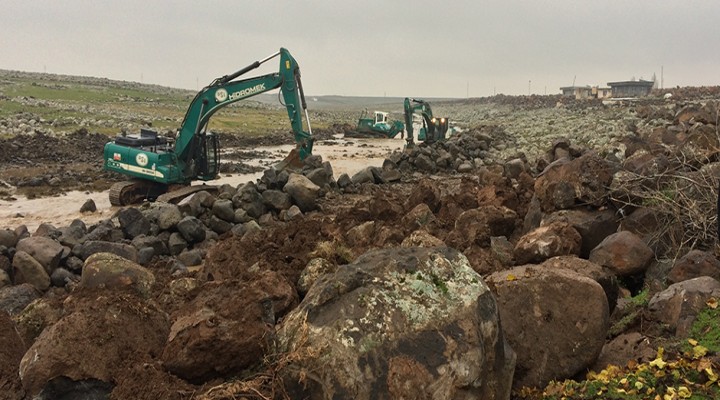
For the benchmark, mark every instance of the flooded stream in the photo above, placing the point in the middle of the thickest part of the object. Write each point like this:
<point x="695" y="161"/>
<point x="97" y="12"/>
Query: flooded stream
<point x="345" y="155"/>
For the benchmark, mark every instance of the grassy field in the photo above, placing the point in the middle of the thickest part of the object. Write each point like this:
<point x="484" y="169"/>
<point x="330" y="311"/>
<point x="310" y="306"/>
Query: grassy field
<point x="63" y="104"/>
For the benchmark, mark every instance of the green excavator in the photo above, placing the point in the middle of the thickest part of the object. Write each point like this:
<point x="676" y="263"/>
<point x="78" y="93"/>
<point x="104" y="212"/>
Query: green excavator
<point x="377" y="126"/>
<point x="433" y="129"/>
<point x="156" y="166"/>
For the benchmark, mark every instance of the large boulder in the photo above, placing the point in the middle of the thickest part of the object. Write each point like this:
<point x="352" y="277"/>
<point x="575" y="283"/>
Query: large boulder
<point x="13" y="299"/>
<point x="191" y="229"/>
<point x="109" y="270"/>
<point x="678" y="305"/>
<point x="598" y="273"/>
<point x="694" y="264"/>
<point x="8" y="238"/>
<point x="133" y="223"/>
<point x="477" y="225"/>
<point x="303" y="192"/>
<point x="426" y="191"/>
<point x="73" y="234"/>
<point x="398" y="323"/>
<point x="422" y="238"/>
<point x="593" y="226"/>
<point x="91" y="247"/>
<point x="249" y="199"/>
<point x="418" y="217"/>
<point x="365" y="175"/>
<point x="627" y="347"/>
<point x="165" y="215"/>
<point x="554" y="239"/>
<point x="27" y="270"/>
<point x="624" y="253"/>
<point x="223" y="209"/>
<point x="555" y="319"/>
<point x="277" y="200"/>
<point x="565" y="183"/>
<point x="99" y="336"/>
<point x="227" y="327"/>
<point x="46" y="251"/>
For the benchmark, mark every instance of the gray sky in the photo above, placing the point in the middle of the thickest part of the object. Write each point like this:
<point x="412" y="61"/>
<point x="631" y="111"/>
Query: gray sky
<point x="371" y="48"/>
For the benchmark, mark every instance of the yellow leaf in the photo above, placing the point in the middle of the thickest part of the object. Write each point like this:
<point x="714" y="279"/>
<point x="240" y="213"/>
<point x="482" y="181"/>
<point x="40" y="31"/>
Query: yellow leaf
<point x="699" y="351"/>
<point x="710" y="374"/>
<point x="692" y="342"/>
<point x="712" y="303"/>
<point x="684" y="392"/>
<point x="670" y="394"/>
<point x="511" y="277"/>
<point x="658" y="362"/>
<point x="638" y="385"/>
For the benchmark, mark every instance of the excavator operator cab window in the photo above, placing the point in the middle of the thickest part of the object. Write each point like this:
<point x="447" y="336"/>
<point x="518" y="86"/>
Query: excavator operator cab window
<point x="208" y="162"/>
<point x="380" y="117"/>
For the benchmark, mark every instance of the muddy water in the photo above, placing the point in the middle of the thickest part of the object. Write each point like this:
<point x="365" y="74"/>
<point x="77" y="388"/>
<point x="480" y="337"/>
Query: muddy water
<point x="345" y="155"/>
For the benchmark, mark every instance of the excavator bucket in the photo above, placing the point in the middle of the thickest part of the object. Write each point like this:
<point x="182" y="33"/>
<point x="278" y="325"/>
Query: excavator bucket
<point x="292" y="160"/>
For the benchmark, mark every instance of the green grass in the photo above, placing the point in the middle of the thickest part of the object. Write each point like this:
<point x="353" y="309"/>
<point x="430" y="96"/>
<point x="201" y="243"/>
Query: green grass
<point x="632" y="314"/>
<point x="706" y="329"/>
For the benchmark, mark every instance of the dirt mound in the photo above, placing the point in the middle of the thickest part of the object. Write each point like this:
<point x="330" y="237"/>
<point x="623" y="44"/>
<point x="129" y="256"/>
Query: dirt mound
<point x="31" y="149"/>
<point x="42" y="165"/>
<point x="102" y="333"/>
<point x="287" y="249"/>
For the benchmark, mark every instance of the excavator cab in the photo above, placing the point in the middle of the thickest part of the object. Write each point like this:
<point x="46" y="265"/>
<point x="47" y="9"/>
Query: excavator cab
<point x="437" y="130"/>
<point x="207" y="165"/>
<point x="381" y="117"/>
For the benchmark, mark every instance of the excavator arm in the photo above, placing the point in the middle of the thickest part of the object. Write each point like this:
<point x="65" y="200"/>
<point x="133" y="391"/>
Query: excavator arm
<point x="421" y="107"/>
<point x="226" y="90"/>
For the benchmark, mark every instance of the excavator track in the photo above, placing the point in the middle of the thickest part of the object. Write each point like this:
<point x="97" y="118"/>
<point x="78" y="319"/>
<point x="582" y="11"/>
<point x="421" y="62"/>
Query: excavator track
<point x="132" y="192"/>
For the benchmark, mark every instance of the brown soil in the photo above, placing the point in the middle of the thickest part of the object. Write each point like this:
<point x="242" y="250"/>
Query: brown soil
<point x="40" y="165"/>
<point x="12" y="350"/>
<point x="286" y="249"/>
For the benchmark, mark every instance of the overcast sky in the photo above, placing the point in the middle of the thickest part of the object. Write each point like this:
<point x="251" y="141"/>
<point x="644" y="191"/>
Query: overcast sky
<point x="371" y="48"/>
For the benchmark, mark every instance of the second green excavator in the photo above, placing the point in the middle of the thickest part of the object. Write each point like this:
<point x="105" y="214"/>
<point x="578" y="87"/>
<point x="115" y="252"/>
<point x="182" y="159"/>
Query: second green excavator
<point x="432" y="129"/>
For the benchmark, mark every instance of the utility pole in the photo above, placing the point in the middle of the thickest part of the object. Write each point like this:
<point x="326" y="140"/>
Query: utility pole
<point x="662" y="77"/>
<point x="529" y="82"/>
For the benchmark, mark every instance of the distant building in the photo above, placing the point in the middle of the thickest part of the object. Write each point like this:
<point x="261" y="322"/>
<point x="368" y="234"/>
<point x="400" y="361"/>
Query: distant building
<point x="579" y="92"/>
<point x="601" y="92"/>
<point x="631" y="88"/>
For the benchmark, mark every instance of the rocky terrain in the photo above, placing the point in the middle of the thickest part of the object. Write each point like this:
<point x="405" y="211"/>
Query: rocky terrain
<point x="551" y="249"/>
